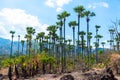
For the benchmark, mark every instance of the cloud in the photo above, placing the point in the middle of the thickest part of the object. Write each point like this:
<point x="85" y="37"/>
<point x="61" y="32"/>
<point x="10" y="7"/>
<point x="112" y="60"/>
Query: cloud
<point x="18" y="20"/>
<point x="50" y="3"/>
<point x="59" y="9"/>
<point x="58" y="4"/>
<point x="100" y="4"/>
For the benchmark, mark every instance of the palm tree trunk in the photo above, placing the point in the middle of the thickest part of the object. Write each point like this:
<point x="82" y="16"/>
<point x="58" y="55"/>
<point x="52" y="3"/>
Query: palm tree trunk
<point x="64" y="56"/>
<point x="78" y="35"/>
<point x="82" y="45"/>
<point x="96" y="47"/>
<point x="11" y="47"/>
<point x="74" y="46"/>
<point x="88" y="40"/>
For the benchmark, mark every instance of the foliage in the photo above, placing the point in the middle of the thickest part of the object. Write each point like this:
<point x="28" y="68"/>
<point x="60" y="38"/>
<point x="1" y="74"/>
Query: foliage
<point x="7" y="62"/>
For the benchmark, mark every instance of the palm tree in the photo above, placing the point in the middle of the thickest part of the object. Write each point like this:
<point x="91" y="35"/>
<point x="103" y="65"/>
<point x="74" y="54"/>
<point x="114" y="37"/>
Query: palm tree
<point x="73" y="24"/>
<point x="53" y="29"/>
<point x="98" y="38"/>
<point x="22" y="42"/>
<point x="110" y="42"/>
<point x="40" y="37"/>
<point x="30" y="32"/>
<point x="103" y="43"/>
<point x="112" y="31"/>
<point x="60" y="24"/>
<point x="80" y="11"/>
<point x="88" y="14"/>
<point x="97" y="43"/>
<point x="82" y="33"/>
<point x="10" y="69"/>
<point x="18" y="44"/>
<point x="12" y="32"/>
<point x="64" y="14"/>
<point x="47" y="40"/>
<point x="27" y="46"/>
<point x="89" y="38"/>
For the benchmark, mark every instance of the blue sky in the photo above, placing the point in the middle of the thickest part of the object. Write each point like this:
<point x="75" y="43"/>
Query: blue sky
<point x="18" y="14"/>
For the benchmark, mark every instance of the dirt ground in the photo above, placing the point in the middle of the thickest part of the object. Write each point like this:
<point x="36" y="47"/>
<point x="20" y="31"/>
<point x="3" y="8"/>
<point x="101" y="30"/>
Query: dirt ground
<point x="77" y="75"/>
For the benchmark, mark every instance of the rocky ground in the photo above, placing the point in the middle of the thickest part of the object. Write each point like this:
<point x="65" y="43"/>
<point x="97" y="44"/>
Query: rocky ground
<point x="93" y="74"/>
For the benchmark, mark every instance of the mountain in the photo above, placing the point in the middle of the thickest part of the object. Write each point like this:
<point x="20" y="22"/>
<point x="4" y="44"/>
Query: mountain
<point x="5" y="45"/>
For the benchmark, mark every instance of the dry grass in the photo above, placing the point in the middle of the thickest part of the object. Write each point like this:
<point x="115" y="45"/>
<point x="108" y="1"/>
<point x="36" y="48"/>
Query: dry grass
<point x="115" y="62"/>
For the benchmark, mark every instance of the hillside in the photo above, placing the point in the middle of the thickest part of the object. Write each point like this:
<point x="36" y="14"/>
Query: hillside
<point x="5" y="45"/>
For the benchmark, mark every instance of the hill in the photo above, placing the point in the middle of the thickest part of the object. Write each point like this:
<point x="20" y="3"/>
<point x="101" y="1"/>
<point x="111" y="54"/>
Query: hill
<point x="5" y="45"/>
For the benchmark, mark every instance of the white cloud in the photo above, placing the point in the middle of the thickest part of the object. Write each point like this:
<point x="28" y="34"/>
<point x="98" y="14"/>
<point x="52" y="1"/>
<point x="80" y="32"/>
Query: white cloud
<point x="50" y="3"/>
<point x="18" y="20"/>
<point x="59" y="9"/>
<point x="60" y="3"/>
<point x="99" y="4"/>
<point x="57" y="3"/>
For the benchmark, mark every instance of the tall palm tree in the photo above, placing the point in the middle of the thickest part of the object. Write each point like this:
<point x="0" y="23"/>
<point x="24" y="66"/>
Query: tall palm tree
<point x="12" y="36"/>
<point x="88" y="14"/>
<point x="60" y="24"/>
<point x="27" y="42"/>
<point x="30" y="32"/>
<point x="97" y="46"/>
<point x="112" y="31"/>
<point x="97" y="27"/>
<point x="73" y="24"/>
<point x="40" y="37"/>
<point x="103" y="44"/>
<point x="110" y="42"/>
<point x="53" y="29"/>
<point x="98" y="38"/>
<point x="47" y="40"/>
<point x="80" y="11"/>
<point x="82" y="34"/>
<point x="89" y="38"/>
<point x="18" y="44"/>
<point x="22" y="42"/>
<point x="10" y="69"/>
<point x="64" y="14"/>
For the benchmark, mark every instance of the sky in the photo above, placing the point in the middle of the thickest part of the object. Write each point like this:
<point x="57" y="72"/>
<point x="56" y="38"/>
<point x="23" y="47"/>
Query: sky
<point x="16" y="15"/>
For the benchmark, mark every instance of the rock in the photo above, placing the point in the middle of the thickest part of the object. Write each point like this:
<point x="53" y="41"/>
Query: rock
<point x="108" y="74"/>
<point x="67" y="77"/>
<point x="1" y="76"/>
